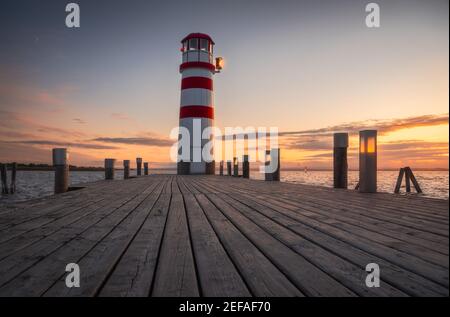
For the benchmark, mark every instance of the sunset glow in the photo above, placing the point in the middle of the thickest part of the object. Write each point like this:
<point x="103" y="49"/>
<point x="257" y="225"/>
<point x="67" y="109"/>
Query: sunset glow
<point x="114" y="91"/>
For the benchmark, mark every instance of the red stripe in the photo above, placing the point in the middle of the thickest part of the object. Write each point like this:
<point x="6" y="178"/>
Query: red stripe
<point x="197" y="112"/>
<point x="197" y="82"/>
<point x="208" y="66"/>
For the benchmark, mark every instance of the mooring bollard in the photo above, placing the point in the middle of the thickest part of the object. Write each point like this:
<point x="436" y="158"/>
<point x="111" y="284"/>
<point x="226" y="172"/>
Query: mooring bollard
<point x="235" y="167"/>
<point x="109" y="168"/>
<point x="273" y="166"/>
<point x="145" y="168"/>
<point x="61" y="166"/>
<point x="12" y="188"/>
<point x="183" y="168"/>
<point x="229" y="168"/>
<point x="126" y="169"/>
<point x="221" y="168"/>
<point x="368" y="161"/>
<point x="210" y="168"/>
<point x="267" y="175"/>
<point x="340" y="165"/>
<point x="4" y="177"/>
<point x="275" y="157"/>
<point x="138" y="166"/>
<point x="245" y="167"/>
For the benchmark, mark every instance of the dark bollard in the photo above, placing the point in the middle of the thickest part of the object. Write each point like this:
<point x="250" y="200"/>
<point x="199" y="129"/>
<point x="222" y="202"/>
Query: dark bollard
<point x="12" y="188"/>
<point x="267" y="175"/>
<point x="229" y="168"/>
<point x="235" y="167"/>
<point x="4" y="177"/>
<point x="245" y="167"/>
<point x="109" y="168"/>
<point x="183" y="168"/>
<point x="340" y="165"/>
<point x="210" y="168"/>
<point x="146" y="168"/>
<point x="126" y="169"/>
<point x="221" y="168"/>
<point x="273" y="166"/>
<point x="61" y="167"/>
<point x="368" y="161"/>
<point x="138" y="166"/>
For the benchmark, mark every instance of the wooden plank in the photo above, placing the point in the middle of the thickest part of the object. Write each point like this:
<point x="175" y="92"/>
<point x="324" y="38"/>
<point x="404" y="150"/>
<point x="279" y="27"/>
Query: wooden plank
<point x="175" y="274"/>
<point x="99" y="261"/>
<point x="409" y="262"/>
<point x="436" y="252"/>
<point x="134" y="273"/>
<point x="307" y="277"/>
<point x="346" y="273"/>
<point x="261" y="276"/>
<point x="217" y="274"/>
<point x="66" y="247"/>
<point x="410" y="283"/>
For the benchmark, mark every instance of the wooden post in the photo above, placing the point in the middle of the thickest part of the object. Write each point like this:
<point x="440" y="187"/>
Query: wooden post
<point x="245" y="167"/>
<point x="399" y="180"/>
<point x="235" y="167"/>
<point x="109" y="168"/>
<point x="12" y="188"/>
<point x="340" y="165"/>
<point x="229" y="168"/>
<point x="275" y="156"/>
<point x="146" y="168"/>
<point x="138" y="166"/>
<point x="210" y="168"/>
<point x="126" y="169"/>
<point x="221" y="168"/>
<point x="414" y="181"/>
<point x="368" y="161"/>
<point x="61" y="166"/>
<point x="183" y="168"/>
<point x="267" y="175"/>
<point x="407" y="179"/>
<point x="4" y="177"/>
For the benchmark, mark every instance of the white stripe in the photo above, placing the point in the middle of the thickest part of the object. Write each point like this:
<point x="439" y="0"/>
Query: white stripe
<point x="188" y="124"/>
<point x="197" y="72"/>
<point x="196" y="97"/>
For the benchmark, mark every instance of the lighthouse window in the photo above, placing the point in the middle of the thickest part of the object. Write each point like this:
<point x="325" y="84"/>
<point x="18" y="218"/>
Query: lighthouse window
<point x="193" y="44"/>
<point x="185" y="46"/>
<point x="203" y="44"/>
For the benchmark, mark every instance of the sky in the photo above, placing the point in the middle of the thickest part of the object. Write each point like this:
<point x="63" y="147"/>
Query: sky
<point x="111" y="88"/>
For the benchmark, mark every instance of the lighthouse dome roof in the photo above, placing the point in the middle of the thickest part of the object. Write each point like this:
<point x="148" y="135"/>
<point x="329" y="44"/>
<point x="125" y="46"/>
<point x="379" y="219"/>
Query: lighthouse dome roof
<point x="198" y="36"/>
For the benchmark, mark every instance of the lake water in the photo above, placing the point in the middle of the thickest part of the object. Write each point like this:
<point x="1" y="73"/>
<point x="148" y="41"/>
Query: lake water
<point x="34" y="184"/>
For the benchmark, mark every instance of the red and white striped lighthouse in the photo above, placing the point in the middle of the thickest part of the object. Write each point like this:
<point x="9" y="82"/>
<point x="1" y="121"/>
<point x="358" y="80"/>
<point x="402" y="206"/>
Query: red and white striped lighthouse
<point x="196" y="104"/>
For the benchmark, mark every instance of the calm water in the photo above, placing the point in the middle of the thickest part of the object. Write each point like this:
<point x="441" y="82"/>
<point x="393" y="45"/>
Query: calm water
<point x="34" y="184"/>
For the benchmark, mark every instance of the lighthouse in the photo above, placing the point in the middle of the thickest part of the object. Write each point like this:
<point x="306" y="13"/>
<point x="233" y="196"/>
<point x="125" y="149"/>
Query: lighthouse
<point x="197" y="103"/>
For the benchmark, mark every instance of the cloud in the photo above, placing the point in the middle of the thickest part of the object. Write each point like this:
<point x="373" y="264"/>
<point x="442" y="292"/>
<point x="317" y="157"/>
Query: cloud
<point x="66" y="144"/>
<point x="78" y="120"/>
<point x="148" y="141"/>
<point x="121" y="116"/>
<point x="383" y="126"/>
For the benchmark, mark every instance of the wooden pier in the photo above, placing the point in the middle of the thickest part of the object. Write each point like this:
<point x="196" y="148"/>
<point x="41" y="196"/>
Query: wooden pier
<point x="167" y="235"/>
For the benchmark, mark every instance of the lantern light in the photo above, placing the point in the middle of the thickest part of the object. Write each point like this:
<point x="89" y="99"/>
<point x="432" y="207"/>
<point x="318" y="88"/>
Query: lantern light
<point x="219" y="63"/>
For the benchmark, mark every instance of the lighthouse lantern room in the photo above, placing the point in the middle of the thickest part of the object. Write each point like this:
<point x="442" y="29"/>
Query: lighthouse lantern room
<point x="196" y="103"/>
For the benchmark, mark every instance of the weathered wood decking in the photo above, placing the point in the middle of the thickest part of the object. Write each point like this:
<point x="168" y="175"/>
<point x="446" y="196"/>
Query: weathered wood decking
<point x="167" y="235"/>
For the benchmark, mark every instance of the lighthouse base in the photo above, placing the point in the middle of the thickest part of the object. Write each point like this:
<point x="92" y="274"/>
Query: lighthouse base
<point x="199" y="168"/>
